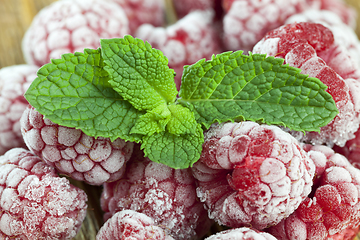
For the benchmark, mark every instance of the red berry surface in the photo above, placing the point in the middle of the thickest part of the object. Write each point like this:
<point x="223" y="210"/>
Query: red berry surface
<point x="68" y="26"/>
<point x="311" y="47"/>
<point x="14" y="81"/>
<point x="74" y="153"/>
<point x="243" y="233"/>
<point x="143" y="11"/>
<point x="190" y="39"/>
<point x="167" y="195"/>
<point x="252" y="175"/>
<point x="131" y="225"/>
<point x="332" y="207"/>
<point x="344" y="36"/>
<point x="35" y="203"/>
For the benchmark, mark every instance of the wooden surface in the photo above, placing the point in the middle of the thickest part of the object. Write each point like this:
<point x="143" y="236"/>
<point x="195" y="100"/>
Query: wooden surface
<point x="15" y="18"/>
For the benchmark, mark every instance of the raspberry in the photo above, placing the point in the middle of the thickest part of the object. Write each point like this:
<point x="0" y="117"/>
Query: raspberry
<point x="14" y="81"/>
<point x="185" y="42"/>
<point x="311" y="47"/>
<point x="344" y="36"/>
<point x="129" y="224"/>
<point x="35" y="203"/>
<point x="331" y="208"/>
<point x="247" y="21"/>
<point x="251" y="174"/>
<point x="72" y="25"/>
<point x="74" y="153"/>
<point x="143" y="11"/>
<point x="166" y="195"/>
<point x="241" y="234"/>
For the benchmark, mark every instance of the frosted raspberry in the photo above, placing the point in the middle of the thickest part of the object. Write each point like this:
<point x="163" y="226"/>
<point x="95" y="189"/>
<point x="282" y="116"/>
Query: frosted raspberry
<point x="331" y="208"/>
<point x="129" y="224"/>
<point x="311" y="47"/>
<point x="74" y="153"/>
<point x="344" y="36"/>
<point x="72" y="25"/>
<point x="185" y="42"/>
<point x="143" y="11"/>
<point x="167" y="195"/>
<point x="241" y="234"/>
<point x="247" y="21"/>
<point x="14" y="81"/>
<point x="346" y="234"/>
<point x="35" y="203"/>
<point x="251" y="174"/>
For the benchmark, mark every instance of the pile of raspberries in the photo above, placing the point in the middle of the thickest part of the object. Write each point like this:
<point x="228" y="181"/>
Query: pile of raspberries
<point x="252" y="181"/>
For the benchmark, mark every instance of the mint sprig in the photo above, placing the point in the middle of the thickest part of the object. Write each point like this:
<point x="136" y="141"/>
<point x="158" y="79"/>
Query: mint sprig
<point x="126" y="90"/>
<point x="232" y="86"/>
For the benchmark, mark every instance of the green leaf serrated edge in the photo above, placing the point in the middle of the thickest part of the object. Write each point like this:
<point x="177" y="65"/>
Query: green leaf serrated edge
<point x="232" y="86"/>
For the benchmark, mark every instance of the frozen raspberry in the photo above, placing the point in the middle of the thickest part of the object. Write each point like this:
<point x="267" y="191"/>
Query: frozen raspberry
<point x="129" y="224"/>
<point x="72" y="25"/>
<point x="241" y="234"/>
<point x="311" y="47"/>
<point x="185" y="42"/>
<point x="346" y="234"/>
<point x="74" y="153"/>
<point x="166" y="195"/>
<point x="35" y="203"/>
<point x="344" y="36"/>
<point x="247" y="21"/>
<point x="14" y="81"/>
<point x="143" y="11"/>
<point x="252" y="175"/>
<point x="331" y="208"/>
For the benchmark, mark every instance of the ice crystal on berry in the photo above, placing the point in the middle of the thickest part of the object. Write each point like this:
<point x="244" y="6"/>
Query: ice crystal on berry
<point x="251" y="174"/>
<point x="130" y="224"/>
<point x="332" y="207"/>
<point x="74" y="153"/>
<point x="35" y="203"/>
<point x="14" y="81"/>
<point x="70" y="26"/>
<point x="243" y="233"/>
<point x="167" y="195"/>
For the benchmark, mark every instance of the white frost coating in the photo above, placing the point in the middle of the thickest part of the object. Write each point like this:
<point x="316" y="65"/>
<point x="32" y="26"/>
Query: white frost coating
<point x="272" y="170"/>
<point x="158" y="171"/>
<point x="67" y="25"/>
<point x="268" y="46"/>
<point x="281" y="187"/>
<point x="82" y="163"/>
<point x="337" y="175"/>
<point x="241" y="234"/>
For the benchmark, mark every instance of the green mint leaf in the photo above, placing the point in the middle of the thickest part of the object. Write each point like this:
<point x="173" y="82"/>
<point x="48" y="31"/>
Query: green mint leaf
<point x="153" y="121"/>
<point x="74" y="91"/>
<point x="233" y="86"/>
<point x="176" y="151"/>
<point x="140" y="73"/>
<point x="182" y="120"/>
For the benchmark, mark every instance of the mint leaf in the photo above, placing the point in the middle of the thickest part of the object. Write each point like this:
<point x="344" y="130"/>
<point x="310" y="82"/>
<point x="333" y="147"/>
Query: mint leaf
<point x="176" y="151"/>
<point x="233" y="86"/>
<point x="140" y="73"/>
<point x="74" y="91"/>
<point x="182" y="120"/>
<point x="153" y="121"/>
